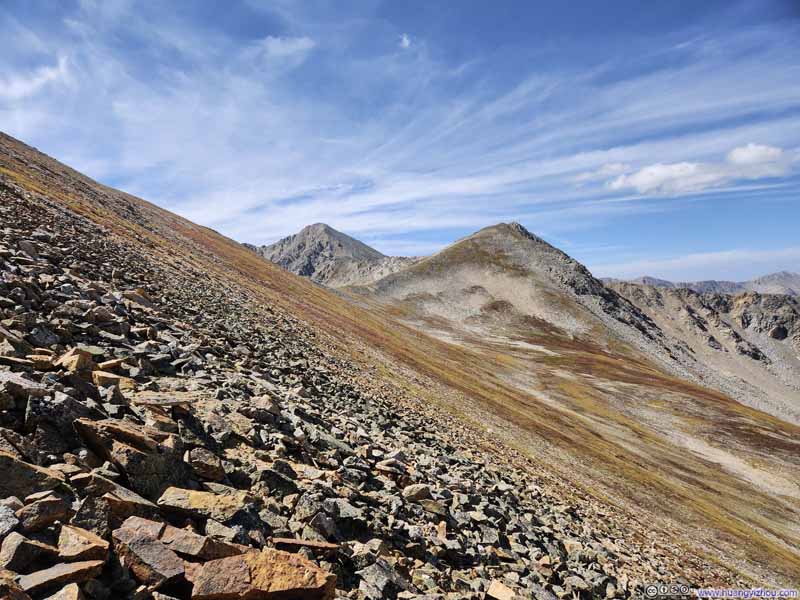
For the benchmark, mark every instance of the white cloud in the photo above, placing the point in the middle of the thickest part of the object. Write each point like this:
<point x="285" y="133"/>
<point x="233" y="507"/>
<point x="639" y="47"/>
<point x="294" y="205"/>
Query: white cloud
<point x="20" y="86"/>
<point x="281" y="47"/>
<point x="753" y="161"/>
<point x="604" y="172"/>
<point x="670" y="178"/>
<point x="754" y="154"/>
<point x="405" y="41"/>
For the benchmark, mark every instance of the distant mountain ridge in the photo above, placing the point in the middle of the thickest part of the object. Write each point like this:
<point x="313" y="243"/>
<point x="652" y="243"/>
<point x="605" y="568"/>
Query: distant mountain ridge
<point x="330" y="257"/>
<point x="783" y="282"/>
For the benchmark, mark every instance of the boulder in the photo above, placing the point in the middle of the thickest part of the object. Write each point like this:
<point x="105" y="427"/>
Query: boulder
<point x="265" y="575"/>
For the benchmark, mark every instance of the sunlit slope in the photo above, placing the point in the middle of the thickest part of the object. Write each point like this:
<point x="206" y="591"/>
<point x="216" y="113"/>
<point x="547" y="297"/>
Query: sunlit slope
<point x="577" y="368"/>
<point x="586" y="405"/>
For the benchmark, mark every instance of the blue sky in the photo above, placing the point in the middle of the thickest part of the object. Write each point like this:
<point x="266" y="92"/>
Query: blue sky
<point x="640" y="137"/>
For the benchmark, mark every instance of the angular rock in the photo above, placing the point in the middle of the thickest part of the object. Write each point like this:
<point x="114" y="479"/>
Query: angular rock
<point x="9" y="589"/>
<point x="68" y="592"/>
<point x="23" y="479"/>
<point x="500" y="591"/>
<point x="76" y="360"/>
<point x="380" y="580"/>
<point x="150" y="561"/>
<point x="220" y="507"/>
<point x="188" y="543"/>
<point x="60" y="575"/>
<point x="416" y="492"/>
<point x="14" y="387"/>
<point x="21" y="554"/>
<point x="206" y="464"/>
<point x="265" y="575"/>
<point x="76" y="544"/>
<point x="151" y="459"/>
<point x="8" y="520"/>
<point x="107" y="379"/>
<point x="43" y="513"/>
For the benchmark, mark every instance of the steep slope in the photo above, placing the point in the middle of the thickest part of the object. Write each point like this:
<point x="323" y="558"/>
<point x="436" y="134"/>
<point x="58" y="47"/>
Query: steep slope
<point x="751" y="338"/>
<point x="330" y="257"/>
<point x="583" y="359"/>
<point x="782" y="282"/>
<point x="586" y="472"/>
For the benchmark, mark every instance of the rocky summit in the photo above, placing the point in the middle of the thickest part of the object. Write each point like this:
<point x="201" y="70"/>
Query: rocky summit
<point x="169" y="429"/>
<point x="331" y="257"/>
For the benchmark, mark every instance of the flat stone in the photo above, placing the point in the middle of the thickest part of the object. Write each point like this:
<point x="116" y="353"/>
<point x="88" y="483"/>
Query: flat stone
<point x="150" y="561"/>
<point x="23" y="479"/>
<point x="265" y="575"/>
<point x="68" y="592"/>
<point x="43" y="513"/>
<point x="76" y="360"/>
<point x="20" y="554"/>
<point x="499" y="591"/>
<point x="293" y="545"/>
<point x="76" y="544"/>
<point x="107" y="379"/>
<point x="205" y="464"/>
<point x="9" y="589"/>
<point x="416" y="492"/>
<point x="220" y="507"/>
<point x="8" y="520"/>
<point x="60" y="574"/>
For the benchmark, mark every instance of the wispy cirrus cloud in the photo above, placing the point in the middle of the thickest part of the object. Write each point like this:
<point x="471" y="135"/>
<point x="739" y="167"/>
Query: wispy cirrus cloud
<point x="281" y="115"/>
<point x="18" y="86"/>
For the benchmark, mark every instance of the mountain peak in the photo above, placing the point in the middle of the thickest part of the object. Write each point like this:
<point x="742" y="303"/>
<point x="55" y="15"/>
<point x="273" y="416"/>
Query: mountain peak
<point x="330" y="257"/>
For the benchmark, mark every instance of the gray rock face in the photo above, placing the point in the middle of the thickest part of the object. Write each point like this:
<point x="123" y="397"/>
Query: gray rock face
<point x="331" y="257"/>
